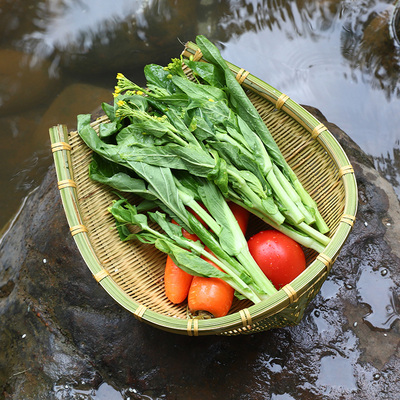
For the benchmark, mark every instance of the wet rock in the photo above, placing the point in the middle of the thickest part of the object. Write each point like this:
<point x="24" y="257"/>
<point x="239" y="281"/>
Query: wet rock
<point x="78" y="98"/>
<point x="63" y="335"/>
<point x="24" y="150"/>
<point x="24" y="164"/>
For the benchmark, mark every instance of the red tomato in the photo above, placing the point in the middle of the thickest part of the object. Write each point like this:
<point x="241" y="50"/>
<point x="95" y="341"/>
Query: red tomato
<point x="279" y="257"/>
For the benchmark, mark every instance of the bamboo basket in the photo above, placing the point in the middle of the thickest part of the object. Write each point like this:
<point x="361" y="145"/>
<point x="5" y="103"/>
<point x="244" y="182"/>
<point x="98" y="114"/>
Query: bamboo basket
<point x="132" y="273"/>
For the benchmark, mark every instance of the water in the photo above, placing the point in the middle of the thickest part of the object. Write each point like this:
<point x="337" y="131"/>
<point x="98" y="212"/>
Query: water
<point x="336" y="371"/>
<point x="59" y="58"/>
<point x="103" y="392"/>
<point x="383" y="303"/>
<point x="314" y="55"/>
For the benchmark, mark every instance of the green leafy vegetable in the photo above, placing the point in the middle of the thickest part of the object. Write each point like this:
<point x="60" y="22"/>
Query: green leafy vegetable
<point x="179" y="143"/>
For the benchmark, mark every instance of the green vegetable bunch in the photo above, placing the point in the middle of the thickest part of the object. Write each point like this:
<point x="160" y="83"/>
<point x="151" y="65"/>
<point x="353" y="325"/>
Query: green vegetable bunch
<point x="181" y="143"/>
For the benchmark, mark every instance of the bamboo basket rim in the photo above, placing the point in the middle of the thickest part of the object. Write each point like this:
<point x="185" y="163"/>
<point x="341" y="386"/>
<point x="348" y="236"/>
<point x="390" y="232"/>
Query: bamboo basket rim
<point x="243" y="320"/>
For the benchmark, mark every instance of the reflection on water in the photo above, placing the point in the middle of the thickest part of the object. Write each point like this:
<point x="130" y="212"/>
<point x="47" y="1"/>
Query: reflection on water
<point x="337" y="56"/>
<point x="383" y="303"/>
<point x="91" y="37"/>
<point x="336" y="372"/>
<point x="104" y="392"/>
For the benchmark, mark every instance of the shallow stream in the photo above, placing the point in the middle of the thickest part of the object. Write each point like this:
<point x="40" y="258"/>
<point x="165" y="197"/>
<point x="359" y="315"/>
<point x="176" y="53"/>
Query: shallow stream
<point x="59" y="58"/>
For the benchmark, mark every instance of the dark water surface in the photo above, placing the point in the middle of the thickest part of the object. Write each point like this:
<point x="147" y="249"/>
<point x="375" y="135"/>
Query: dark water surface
<point x="60" y="58"/>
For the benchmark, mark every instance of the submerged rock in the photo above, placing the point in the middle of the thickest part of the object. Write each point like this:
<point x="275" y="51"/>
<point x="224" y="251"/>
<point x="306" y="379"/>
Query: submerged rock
<point x="78" y="98"/>
<point x="62" y="336"/>
<point x="24" y="81"/>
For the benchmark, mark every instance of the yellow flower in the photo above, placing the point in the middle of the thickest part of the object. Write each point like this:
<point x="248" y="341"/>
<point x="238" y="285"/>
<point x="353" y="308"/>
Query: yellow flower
<point x="120" y="103"/>
<point x="120" y="76"/>
<point x="117" y="89"/>
<point x="211" y="100"/>
<point x="139" y="92"/>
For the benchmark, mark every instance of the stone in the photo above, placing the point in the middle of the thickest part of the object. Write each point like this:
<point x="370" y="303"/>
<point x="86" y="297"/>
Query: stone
<point x="62" y="335"/>
<point x="18" y="160"/>
<point x="78" y="98"/>
<point x="24" y="151"/>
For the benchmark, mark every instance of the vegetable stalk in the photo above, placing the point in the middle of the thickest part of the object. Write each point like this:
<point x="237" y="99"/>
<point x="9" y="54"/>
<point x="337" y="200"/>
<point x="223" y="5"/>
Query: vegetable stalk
<point x="179" y="144"/>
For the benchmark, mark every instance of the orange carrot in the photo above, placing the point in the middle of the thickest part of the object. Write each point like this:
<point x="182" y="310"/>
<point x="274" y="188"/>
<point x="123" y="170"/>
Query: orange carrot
<point x="176" y="282"/>
<point x="188" y="235"/>
<point x="213" y="295"/>
<point x="210" y="294"/>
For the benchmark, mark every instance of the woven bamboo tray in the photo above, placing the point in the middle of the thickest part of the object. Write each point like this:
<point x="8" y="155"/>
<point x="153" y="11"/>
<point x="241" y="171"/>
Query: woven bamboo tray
<point x="132" y="273"/>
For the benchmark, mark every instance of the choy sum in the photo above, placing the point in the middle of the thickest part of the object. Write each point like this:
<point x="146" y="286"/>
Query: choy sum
<point x="185" y="144"/>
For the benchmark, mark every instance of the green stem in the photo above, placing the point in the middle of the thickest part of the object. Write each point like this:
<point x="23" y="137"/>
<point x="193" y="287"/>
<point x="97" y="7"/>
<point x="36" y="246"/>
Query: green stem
<point x="309" y="219"/>
<point x="302" y="239"/>
<point x="252" y="198"/>
<point x="308" y="201"/>
<point x="236" y="282"/>
<point x="254" y="270"/>
<point x="291" y="208"/>
<point x="223" y="137"/>
<point x="228" y="261"/>
<point x="316" y="234"/>
<point x="205" y="216"/>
